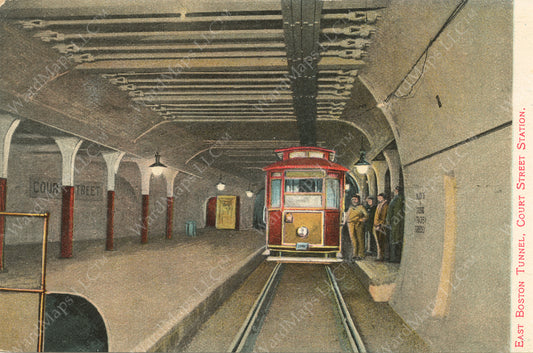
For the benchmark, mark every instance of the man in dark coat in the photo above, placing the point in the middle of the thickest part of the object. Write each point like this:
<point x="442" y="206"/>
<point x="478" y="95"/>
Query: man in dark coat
<point x="370" y="241"/>
<point x="395" y="220"/>
<point x="380" y="228"/>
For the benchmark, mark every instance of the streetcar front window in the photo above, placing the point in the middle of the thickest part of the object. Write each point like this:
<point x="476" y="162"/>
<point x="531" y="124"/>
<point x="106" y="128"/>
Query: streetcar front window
<point x="303" y="185"/>
<point x="275" y="193"/>
<point x="303" y="200"/>
<point x="303" y="192"/>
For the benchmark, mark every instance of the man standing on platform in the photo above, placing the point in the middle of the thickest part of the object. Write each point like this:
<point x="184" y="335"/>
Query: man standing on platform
<point x="370" y="241"/>
<point x="380" y="228"/>
<point x="395" y="220"/>
<point x="356" y="217"/>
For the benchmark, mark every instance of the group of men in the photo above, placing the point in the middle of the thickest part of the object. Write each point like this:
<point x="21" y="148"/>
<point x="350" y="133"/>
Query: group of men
<point x="376" y="230"/>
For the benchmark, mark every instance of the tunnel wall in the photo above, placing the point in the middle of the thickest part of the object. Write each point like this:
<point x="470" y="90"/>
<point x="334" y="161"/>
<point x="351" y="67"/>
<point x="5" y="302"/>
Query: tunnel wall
<point x="192" y="194"/>
<point x="477" y="299"/>
<point x="456" y="254"/>
<point x="48" y="167"/>
<point x="90" y="217"/>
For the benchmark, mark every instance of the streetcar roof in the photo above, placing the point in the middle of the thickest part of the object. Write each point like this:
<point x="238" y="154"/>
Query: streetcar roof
<point x="306" y="163"/>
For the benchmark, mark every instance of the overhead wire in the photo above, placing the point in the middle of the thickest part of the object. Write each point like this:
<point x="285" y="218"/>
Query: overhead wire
<point x="424" y="55"/>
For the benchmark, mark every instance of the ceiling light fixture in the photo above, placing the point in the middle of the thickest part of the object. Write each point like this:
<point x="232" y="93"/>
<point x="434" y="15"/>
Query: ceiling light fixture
<point x="362" y="164"/>
<point x="220" y="185"/>
<point x="249" y="192"/>
<point x="157" y="167"/>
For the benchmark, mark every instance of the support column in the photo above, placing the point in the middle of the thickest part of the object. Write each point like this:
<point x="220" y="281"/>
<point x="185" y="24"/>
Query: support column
<point x="393" y="160"/>
<point x="380" y="169"/>
<point x="112" y="160"/>
<point x="170" y="214"/>
<point x="170" y="176"/>
<point x="3" y="193"/>
<point x="371" y="178"/>
<point x="361" y="180"/>
<point x="8" y="125"/>
<point x="68" y="146"/>
<point x="67" y="220"/>
<point x="109" y="242"/>
<point x="144" y="218"/>
<point x="146" y="173"/>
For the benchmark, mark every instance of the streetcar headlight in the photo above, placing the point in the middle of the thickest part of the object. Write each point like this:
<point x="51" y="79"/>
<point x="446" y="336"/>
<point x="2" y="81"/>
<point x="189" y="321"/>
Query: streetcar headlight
<point x="302" y="232"/>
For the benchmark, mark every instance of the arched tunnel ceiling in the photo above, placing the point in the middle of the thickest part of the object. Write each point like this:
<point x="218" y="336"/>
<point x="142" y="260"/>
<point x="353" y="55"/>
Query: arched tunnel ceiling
<point x="184" y="76"/>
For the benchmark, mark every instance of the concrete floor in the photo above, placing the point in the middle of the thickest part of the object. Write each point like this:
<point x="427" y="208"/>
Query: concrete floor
<point x="144" y="291"/>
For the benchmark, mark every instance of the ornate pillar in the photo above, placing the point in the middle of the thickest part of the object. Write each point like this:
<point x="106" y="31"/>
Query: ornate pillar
<point x="380" y="169"/>
<point x="361" y="183"/>
<point x="68" y="146"/>
<point x="112" y="160"/>
<point x="8" y="125"/>
<point x="371" y="179"/>
<point x="393" y="160"/>
<point x="146" y="173"/>
<point x="170" y="176"/>
<point x="145" y="208"/>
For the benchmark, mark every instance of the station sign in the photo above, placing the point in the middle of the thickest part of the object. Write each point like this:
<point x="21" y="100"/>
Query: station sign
<point x="51" y="188"/>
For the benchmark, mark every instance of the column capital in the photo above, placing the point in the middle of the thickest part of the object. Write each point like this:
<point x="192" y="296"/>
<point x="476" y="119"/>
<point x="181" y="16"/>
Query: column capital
<point x="393" y="160"/>
<point x="170" y="176"/>
<point x="69" y="147"/>
<point x="8" y="125"/>
<point x="371" y="178"/>
<point x="360" y="180"/>
<point x="380" y="169"/>
<point x="146" y="173"/>
<point x="112" y="161"/>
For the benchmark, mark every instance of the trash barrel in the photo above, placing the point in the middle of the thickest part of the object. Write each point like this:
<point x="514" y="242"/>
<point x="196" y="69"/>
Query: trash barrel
<point x="190" y="228"/>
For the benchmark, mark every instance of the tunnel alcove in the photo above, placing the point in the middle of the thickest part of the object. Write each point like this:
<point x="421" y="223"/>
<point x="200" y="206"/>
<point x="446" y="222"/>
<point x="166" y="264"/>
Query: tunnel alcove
<point x="73" y="324"/>
<point x="259" y="210"/>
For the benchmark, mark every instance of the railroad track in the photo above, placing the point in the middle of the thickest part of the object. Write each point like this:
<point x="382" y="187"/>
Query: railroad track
<point x="245" y="339"/>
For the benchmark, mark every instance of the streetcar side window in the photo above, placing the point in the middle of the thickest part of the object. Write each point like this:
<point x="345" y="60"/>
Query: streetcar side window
<point x="275" y="193"/>
<point x="332" y="193"/>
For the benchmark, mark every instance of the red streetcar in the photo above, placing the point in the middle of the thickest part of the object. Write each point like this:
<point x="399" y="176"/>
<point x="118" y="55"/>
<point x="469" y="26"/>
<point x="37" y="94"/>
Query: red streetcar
<point x="304" y="206"/>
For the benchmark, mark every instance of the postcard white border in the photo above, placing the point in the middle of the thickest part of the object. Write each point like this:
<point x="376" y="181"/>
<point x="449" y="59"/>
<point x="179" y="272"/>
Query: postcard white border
<point x="521" y="329"/>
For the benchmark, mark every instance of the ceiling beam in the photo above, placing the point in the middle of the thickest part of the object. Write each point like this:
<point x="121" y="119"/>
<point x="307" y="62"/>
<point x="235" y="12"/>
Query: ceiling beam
<point x="60" y="8"/>
<point x="258" y="98"/>
<point x="216" y="65"/>
<point x="164" y="36"/>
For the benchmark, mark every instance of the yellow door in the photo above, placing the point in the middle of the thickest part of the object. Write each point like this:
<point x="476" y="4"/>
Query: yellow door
<point x="226" y="212"/>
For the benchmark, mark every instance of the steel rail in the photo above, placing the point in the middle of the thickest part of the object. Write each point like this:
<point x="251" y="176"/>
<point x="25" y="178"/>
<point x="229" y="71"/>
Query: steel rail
<point x="356" y="343"/>
<point x="245" y="338"/>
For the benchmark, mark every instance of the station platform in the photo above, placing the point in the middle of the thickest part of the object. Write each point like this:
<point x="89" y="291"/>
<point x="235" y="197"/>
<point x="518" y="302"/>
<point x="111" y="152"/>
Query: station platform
<point x="378" y="277"/>
<point x="154" y="296"/>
